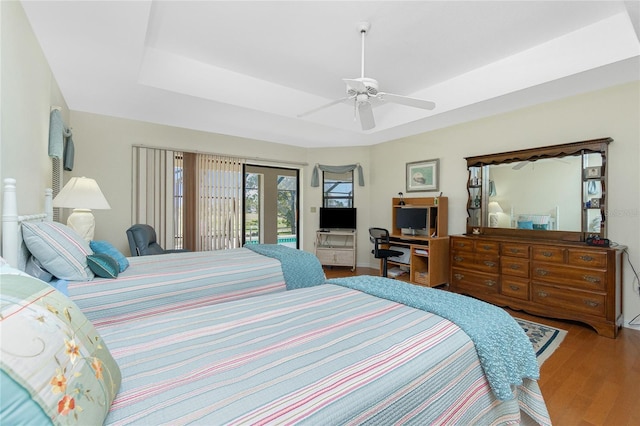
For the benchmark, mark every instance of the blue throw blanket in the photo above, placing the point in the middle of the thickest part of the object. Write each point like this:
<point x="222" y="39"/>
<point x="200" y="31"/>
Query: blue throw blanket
<point x="505" y="352"/>
<point x="300" y="268"/>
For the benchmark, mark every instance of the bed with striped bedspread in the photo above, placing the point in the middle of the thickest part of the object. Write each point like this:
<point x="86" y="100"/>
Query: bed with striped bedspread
<point x="159" y="284"/>
<point x="321" y="355"/>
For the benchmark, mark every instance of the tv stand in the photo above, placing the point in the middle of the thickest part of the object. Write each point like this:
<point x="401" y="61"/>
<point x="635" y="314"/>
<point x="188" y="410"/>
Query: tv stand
<point x="336" y="247"/>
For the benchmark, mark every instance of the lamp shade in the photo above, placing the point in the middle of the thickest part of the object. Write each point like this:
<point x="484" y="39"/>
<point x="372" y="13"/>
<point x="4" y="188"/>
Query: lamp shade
<point x="81" y="193"/>
<point x="494" y="207"/>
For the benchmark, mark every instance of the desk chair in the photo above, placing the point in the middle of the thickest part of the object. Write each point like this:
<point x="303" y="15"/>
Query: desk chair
<point x="142" y="241"/>
<point x="380" y="236"/>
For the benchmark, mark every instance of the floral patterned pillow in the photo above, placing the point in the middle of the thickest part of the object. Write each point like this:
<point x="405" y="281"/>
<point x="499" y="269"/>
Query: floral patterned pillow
<point x="54" y="353"/>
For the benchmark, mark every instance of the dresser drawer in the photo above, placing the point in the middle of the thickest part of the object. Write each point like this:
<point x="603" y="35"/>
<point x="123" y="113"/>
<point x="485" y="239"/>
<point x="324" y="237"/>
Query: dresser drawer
<point x="515" y="287"/>
<point x="514" y="266"/>
<point x="475" y="261"/>
<point x="514" y="250"/>
<point x="548" y="254"/>
<point x="579" y="278"/>
<point x="587" y="258"/>
<point x="570" y="300"/>
<point x="487" y="247"/>
<point x="462" y="244"/>
<point x="477" y="282"/>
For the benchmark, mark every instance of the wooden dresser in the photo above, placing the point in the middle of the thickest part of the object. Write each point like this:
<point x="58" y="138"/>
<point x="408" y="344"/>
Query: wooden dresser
<point x="566" y="280"/>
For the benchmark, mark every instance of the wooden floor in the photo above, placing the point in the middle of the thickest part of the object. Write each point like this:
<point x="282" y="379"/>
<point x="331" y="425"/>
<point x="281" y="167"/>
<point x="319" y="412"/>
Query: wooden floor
<point x="589" y="379"/>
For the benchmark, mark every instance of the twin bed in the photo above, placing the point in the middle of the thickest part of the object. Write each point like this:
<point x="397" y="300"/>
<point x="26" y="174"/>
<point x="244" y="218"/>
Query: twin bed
<point x="348" y="351"/>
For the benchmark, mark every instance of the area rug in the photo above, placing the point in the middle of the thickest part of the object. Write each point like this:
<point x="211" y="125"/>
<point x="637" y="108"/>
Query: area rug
<point x="545" y="339"/>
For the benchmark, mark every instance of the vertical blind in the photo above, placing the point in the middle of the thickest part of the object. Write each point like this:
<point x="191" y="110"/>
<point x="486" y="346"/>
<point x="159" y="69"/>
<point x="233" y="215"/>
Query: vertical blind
<point x="219" y="207"/>
<point x="193" y="200"/>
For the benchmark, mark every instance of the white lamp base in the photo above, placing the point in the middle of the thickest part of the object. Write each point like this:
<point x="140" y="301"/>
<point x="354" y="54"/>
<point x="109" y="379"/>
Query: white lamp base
<point x="83" y="222"/>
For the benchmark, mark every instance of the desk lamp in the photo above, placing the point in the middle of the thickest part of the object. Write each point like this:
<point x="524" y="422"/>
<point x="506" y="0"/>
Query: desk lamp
<point x="81" y="194"/>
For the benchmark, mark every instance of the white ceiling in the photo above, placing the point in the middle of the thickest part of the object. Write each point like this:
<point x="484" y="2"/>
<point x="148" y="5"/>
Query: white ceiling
<point x="249" y="68"/>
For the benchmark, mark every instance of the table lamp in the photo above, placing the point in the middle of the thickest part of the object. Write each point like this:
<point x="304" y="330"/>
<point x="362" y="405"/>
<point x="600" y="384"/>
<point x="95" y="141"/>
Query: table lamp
<point x="494" y="207"/>
<point x="81" y="194"/>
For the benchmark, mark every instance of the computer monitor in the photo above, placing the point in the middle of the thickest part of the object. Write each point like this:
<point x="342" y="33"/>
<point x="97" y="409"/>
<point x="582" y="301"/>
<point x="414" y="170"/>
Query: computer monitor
<point x="412" y="218"/>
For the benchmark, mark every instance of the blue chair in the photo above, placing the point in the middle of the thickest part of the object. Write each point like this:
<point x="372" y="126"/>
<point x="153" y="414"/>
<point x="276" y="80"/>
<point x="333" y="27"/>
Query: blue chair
<point x="143" y="241"/>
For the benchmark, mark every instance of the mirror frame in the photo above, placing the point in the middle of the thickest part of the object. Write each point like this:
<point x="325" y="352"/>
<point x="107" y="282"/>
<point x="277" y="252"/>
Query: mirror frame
<point x="582" y="148"/>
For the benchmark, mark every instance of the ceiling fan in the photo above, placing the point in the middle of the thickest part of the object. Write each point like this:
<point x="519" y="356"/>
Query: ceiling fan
<point x="362" y="91"/>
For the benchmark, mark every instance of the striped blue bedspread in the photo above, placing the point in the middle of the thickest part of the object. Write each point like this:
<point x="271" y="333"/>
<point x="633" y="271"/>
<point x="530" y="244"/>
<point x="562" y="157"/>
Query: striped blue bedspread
<point x="490" y="328"/>
<point x="324" y="355"/>
<point x="172" y="282"/>
<point x="300" y="269"/>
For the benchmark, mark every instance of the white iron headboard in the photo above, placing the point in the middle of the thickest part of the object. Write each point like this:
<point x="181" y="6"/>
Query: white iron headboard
<point x="13" y="249"/>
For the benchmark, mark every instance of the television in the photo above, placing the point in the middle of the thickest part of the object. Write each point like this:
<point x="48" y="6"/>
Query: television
<point x="337" y="218"/>
<point x="413" y="218"/>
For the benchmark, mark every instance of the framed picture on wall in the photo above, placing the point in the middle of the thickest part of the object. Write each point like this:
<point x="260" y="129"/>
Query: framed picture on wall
<point x="423" y="175"/>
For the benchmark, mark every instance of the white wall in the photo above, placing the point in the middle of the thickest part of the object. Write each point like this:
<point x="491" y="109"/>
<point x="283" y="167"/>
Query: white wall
<point x="611" y="112"/>
<point x="28" y="90"/>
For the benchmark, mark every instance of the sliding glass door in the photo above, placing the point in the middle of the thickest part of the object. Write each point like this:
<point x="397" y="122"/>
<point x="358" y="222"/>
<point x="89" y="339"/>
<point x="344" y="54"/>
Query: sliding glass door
<point x="271" y="205"/>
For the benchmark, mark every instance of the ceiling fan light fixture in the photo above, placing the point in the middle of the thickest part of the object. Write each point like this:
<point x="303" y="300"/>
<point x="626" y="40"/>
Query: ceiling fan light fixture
<point x="364" y="89"/>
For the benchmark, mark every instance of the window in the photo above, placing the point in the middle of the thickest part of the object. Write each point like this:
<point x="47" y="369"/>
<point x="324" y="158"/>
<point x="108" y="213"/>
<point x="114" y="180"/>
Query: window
<point x="337" y="189"/>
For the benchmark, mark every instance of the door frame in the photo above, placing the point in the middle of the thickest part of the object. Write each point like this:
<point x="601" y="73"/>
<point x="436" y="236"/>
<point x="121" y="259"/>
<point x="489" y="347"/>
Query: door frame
<point x="270" y="171"/>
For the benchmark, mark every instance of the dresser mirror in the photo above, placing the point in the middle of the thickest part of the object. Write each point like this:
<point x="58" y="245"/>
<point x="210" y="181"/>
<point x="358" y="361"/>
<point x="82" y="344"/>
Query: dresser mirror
<point x="553" y="192"/>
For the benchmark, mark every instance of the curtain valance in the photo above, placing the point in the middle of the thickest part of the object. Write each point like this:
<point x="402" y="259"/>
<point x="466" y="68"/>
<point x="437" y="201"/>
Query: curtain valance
<point x="315" y="179"/>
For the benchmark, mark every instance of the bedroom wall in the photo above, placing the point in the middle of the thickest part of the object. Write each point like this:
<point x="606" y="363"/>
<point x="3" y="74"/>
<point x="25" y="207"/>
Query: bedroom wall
<point x="27" y="92"/>
<point x="611" y="112"/>
<point x="362" y="196"/>
<point x="103" y="152"/>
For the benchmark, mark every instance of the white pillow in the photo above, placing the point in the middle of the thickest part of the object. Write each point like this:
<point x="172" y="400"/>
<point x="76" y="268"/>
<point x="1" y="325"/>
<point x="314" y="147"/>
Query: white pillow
<point x="59" y="249"/>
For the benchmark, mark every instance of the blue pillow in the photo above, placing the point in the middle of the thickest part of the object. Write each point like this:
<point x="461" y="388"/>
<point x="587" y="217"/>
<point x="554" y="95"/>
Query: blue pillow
<point x="525" y="224"/>
<point x="103" y="265"/>
<point x="105" y="247"/>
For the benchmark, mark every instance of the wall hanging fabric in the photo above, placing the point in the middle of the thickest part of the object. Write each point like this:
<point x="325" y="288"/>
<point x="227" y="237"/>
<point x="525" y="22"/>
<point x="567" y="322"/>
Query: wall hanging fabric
<point x="58" y="133"/>
<point x="315" y="179"/>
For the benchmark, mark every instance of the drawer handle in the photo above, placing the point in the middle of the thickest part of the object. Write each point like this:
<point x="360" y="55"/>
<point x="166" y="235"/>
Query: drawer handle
<point x="547" y="254"/>
<point x="489" y="263"/>
<point x="543" y="294"/>
<point x="486" y="247"/>
<point x="586" y="258"/>
<point x="591" y="303"/>
<point x="458" y="258"/>
<point x="514" y="250"/>
<point x="514" y="287"/>
<point x="590" y="279"/>
<point x="461" y="244"/>
<point x="490" y="283"/>
<point x="458" y="276"/>
<point x="514" y="266"/>
<point x="542" y="272"/>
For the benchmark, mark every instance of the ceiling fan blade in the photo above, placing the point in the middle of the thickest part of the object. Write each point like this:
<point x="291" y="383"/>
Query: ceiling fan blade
<point x="366" y="116"/>
<point x="337" y="101"/>
<point x="520" y="165"/>
<point x="356" y="84"/>
<point x="404" y="100"/>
